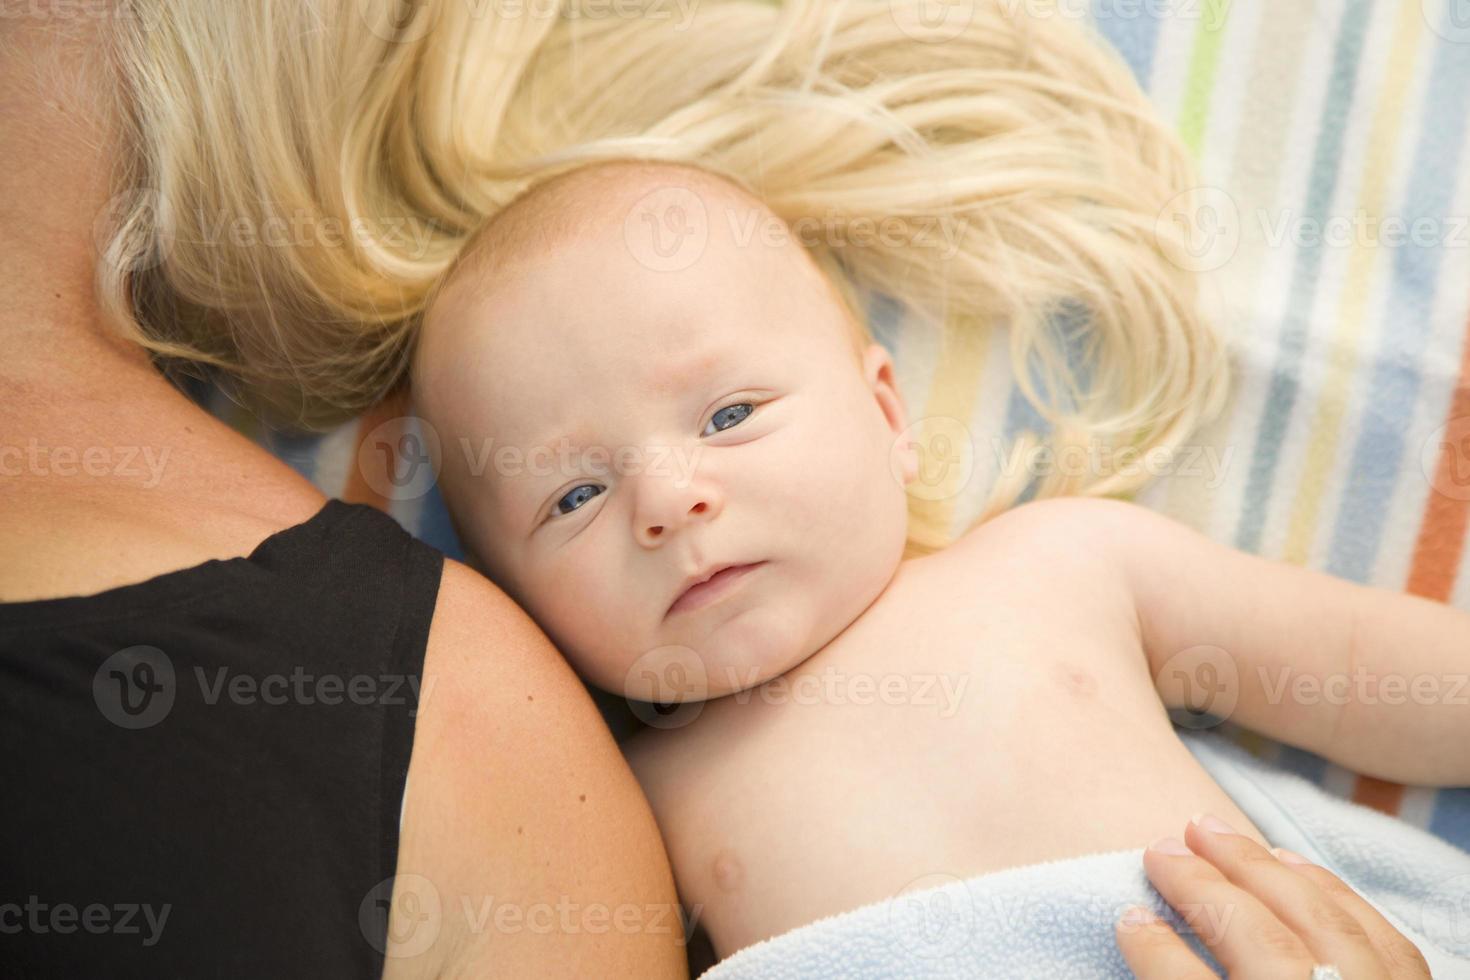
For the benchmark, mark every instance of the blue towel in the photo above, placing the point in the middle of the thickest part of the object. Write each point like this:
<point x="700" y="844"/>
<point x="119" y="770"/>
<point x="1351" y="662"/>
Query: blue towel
<point x="1055" y="919"/>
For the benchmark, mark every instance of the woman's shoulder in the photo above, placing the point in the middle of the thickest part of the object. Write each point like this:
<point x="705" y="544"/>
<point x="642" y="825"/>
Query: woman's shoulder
<point x="520" y="806"/>
<point x="79" y="541"/>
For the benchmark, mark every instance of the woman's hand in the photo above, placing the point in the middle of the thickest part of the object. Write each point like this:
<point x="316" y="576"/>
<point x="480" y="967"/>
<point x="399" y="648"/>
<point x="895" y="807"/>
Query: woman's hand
<point x="1259" y="916"/>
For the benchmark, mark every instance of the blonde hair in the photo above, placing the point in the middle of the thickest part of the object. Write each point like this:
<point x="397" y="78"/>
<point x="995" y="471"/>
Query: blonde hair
<point x="1028" y="135"/>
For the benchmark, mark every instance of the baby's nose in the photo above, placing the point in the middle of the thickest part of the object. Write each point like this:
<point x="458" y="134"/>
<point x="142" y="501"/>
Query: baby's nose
<point x="652" y="533"/>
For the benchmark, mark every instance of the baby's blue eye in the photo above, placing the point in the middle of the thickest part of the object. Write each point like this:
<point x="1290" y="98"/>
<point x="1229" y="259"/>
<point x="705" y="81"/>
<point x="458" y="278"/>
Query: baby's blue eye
<point x="738" y="414"/>
<point x="580" y="494"/>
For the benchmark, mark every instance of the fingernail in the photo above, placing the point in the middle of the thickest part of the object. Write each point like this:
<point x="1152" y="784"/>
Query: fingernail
<point x="1288" y="857"/>
<point x="1169" y="845"/>
<point x="1212" y="823"/>
<point x="1137" y="915"/>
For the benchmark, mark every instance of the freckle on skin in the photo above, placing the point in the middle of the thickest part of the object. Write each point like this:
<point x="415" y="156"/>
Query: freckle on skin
<point x="1076" y="681"/>
<point x="519" y="830"/>
<point x="727" y="871"/>
<point x="529" y="698"/>
<point x="583" y="797"/>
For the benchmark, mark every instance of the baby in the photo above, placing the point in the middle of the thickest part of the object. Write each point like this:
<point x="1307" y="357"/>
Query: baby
<point x="667" y="437"/>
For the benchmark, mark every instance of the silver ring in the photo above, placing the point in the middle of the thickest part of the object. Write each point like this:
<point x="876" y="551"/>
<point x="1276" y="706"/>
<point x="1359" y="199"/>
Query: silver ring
<point x="1325" y="971"/>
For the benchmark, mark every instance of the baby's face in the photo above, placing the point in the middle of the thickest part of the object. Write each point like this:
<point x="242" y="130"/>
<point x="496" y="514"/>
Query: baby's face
<point x="610" y="431"/>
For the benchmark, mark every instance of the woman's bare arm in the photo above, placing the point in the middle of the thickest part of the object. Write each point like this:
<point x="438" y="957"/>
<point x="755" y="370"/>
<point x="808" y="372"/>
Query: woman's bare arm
<point x="523" y="826"/>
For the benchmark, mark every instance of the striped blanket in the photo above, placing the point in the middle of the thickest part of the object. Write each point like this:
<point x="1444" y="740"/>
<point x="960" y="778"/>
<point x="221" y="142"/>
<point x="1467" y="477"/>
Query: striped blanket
<point x="1333" y="138"/>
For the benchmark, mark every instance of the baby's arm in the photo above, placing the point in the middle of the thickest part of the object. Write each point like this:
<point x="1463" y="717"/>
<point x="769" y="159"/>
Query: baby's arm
<point x="1374" y="680"/>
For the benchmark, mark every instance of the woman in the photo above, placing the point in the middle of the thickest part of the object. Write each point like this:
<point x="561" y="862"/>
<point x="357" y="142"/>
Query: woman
<point x="251" y="835"/>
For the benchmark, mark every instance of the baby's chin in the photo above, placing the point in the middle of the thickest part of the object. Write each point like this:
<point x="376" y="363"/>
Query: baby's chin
<point x="735" y="657"/>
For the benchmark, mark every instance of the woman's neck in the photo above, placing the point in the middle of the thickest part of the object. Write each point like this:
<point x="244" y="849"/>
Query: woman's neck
<point x="57" y="355"/>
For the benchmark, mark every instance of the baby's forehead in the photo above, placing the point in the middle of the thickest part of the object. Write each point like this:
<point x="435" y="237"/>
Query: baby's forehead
<point x="666" y="241"/>
<point x="664" y="215"/>
<point x="588" y="271"/>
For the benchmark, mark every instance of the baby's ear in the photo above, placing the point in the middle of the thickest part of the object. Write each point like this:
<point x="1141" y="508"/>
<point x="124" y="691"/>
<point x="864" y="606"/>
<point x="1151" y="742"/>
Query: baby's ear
<point x="878" y="375"/>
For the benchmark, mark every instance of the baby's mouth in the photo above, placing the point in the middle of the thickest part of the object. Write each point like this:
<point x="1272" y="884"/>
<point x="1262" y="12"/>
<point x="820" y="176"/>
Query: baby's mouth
<point x="712" y="588"/>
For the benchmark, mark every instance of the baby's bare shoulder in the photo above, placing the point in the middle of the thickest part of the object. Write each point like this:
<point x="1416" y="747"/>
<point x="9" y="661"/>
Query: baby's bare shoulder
<point x="1048" y="549"/>
<point x="1056" y="525"/>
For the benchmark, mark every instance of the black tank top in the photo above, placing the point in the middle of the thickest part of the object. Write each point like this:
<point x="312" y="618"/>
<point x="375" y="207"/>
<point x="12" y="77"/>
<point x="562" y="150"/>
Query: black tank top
<point x="203" y="773"/>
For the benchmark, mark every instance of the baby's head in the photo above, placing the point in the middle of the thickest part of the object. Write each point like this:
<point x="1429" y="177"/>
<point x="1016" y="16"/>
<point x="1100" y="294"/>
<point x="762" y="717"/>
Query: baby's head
<point x="636" y="383"/>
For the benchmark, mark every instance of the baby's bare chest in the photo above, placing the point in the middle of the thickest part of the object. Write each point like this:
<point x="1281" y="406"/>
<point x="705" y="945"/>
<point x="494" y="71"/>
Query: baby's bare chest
<point x="934" y="740"/>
